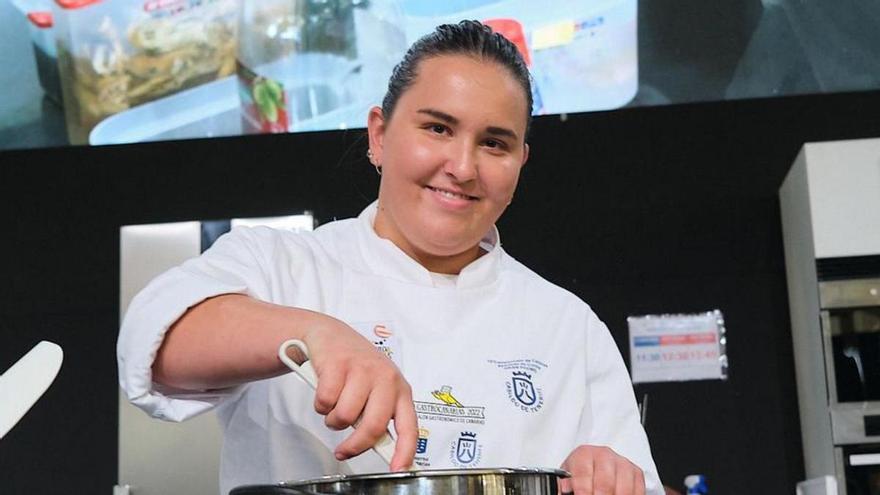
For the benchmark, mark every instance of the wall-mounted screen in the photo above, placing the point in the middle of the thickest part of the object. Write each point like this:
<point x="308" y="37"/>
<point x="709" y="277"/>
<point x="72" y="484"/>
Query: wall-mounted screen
<point x="93" y="72"/>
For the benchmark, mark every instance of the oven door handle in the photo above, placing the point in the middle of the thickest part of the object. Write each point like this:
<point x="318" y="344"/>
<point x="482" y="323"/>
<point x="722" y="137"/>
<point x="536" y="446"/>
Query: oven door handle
<point x="864" y="460"/>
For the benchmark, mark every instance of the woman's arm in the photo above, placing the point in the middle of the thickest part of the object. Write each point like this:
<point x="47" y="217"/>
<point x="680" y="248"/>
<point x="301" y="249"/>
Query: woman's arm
<point x="231" y="339"/>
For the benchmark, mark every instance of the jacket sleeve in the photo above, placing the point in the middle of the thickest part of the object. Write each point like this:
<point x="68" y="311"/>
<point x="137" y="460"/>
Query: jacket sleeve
<point x="233" y="265"/>
<point x="611" y="416"/>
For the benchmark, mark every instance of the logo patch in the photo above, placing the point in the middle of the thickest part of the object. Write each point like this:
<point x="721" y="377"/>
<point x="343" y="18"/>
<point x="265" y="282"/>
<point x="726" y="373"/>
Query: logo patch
<point x="521" y="386"/>
<point x="422" y="444"/>
<point x="383" y="346"/>
<point x="445" y="395"/>
<point x="421" y="458"/>
<point x="524" y="389"/>
<point x="381" y="335"/>
<point x="465" y="451"/>
<point x="382" y="331"/>
<point x="449" y="409"/>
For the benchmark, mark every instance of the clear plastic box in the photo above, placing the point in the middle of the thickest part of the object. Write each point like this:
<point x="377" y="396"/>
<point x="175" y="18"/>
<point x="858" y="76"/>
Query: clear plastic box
<point x="117" y="54"/>
<point x="45" y="56"/>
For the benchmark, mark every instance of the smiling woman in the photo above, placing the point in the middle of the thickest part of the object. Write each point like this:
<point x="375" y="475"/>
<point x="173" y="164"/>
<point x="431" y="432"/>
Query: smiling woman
<point x="451" y="154"/>
<point x="385" y="302"/>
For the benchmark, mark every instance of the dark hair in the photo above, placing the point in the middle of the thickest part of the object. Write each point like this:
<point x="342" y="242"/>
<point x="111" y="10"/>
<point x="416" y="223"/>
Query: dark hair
<point x="465" y="38"/>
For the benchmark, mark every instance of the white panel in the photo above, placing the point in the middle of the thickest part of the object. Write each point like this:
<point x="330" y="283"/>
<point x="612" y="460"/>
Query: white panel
<point x="826" y="485"/>
<point x="806" y="331"/>
<point x="148" y="250"/>
<point x="157" y="457"/>
<point x="844" y="185"/>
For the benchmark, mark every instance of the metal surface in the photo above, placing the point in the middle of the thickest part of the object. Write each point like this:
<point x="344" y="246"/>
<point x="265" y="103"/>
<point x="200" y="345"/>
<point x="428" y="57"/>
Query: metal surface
<point x="848" y="422"/>
<point x="827" y="351"/>
<point x="850" y="293"/>
<point x="500" y="481"/>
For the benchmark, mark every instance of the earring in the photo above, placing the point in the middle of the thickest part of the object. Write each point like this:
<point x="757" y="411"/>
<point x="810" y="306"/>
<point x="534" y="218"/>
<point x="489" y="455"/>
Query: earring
<point x="370" y="157"/>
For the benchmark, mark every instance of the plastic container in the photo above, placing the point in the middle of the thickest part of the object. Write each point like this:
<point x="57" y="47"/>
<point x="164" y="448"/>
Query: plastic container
<point x="584" y="53"/>
<point x="315" y="64"/>
<point x="45" y="55"/>
<point x="114" y="55"/>
<point x="208" y="110"/>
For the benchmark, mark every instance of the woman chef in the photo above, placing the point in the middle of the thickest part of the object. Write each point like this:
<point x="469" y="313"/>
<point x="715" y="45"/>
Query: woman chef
<point x="412" y="312"/>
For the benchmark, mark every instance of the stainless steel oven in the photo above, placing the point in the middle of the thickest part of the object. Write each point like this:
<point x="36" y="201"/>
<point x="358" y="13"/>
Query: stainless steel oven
<point x="850" y="316"/>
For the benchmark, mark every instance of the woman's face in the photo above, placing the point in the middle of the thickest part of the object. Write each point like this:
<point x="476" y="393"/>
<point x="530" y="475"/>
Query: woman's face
<point x="451" y="154"/>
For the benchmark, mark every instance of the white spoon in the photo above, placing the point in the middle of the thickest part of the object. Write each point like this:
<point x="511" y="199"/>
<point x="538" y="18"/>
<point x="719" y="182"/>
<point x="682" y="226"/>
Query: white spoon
<point x="26" y="381"/>
<point x="384" y="446"/>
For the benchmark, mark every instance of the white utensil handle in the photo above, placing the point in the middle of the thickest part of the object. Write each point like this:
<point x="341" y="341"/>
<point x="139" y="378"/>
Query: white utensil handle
<point x="384" y="446"/>
<point x="26" y="381"/>
<point x="305" y="370"/>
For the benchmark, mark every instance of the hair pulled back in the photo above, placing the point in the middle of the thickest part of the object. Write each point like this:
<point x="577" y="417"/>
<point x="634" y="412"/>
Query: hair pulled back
<point x="470" y="38"/>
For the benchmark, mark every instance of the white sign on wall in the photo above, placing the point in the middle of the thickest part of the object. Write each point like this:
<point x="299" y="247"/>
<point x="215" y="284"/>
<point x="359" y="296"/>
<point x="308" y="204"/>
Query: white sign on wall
<point x="666" y="348"/>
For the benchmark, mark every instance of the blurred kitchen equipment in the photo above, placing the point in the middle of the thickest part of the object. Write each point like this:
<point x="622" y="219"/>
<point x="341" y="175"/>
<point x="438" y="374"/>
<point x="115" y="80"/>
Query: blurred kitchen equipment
<point x="207" y="110"/>
<point x="26" y="381"/>
<point x="116" y="55"/>
<point x="45" y="55"/>
<point x="830" y="213"/>
<point x="824" y="485"/>
<point x="297" y="60"/>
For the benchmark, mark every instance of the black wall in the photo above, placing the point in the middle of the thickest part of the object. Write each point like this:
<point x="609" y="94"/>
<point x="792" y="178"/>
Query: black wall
<point x="667" y="209"/>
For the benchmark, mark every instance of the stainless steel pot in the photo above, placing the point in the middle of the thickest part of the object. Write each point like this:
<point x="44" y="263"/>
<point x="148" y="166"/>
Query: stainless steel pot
<point x="500" y="481"/>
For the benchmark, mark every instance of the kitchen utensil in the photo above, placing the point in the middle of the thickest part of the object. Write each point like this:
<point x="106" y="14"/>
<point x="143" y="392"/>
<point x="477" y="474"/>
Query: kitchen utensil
<point x="26" y="380"/>
<point x="384" y="446"/>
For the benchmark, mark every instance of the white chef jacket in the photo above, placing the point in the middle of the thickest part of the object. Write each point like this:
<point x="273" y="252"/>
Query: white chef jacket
<point x="506" y="368"/>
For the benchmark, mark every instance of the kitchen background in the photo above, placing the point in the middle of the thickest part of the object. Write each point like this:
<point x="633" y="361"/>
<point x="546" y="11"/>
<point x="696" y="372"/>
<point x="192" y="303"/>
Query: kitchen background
<point x="669" y="204"/>
<point x="133" y="71"/>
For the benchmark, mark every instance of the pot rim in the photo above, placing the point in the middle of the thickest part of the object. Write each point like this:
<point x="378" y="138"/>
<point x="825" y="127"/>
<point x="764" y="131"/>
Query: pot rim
<point x="429" y="473"/>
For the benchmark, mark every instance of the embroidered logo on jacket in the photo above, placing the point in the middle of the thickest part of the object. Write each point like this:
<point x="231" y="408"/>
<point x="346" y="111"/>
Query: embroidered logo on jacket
<point x="449" y="409"/>
<point x="382" y="344"/>
<point x="523" y="388"/>
<point x="422" y="444"/>
<point x="381" y="335"/>
<point x="421" y="458"/>
<point x="522" y="391"/>
<point x="445" y="395"/>
<point x="465" y="451"/>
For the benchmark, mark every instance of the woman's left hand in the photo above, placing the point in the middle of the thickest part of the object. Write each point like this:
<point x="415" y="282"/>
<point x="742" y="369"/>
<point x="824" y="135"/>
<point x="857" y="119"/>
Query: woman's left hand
<point x="599" y="470"/>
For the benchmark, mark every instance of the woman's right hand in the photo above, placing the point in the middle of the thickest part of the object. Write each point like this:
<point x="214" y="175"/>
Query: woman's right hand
<point x="358" y="383"/>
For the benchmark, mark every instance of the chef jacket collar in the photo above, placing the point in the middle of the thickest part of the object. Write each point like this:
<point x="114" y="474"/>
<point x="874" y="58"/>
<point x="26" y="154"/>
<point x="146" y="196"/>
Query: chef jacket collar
<point x="384" y="258"/>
